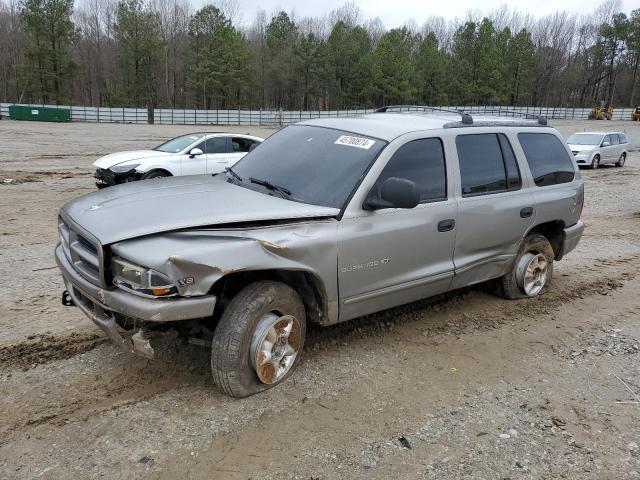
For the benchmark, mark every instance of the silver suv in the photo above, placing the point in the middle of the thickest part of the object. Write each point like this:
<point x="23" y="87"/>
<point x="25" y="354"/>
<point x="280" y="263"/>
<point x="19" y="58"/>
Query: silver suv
<point x="325" y="221"/>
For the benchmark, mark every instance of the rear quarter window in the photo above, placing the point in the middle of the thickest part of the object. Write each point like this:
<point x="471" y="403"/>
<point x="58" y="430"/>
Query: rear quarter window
<point x="548" y="159"/>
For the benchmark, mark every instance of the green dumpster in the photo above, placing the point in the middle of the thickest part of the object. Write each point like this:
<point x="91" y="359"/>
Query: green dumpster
<point x="39" y="114"/>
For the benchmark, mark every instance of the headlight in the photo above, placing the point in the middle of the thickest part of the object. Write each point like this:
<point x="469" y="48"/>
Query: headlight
<point x="124" y="168"/>
<point x="141" y="280"/>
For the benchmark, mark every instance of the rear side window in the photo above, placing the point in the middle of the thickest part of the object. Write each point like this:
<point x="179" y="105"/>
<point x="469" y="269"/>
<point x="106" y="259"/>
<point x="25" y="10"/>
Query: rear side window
<point x="487" y="164"/>
<point x="421" y="161"/>
<point x="239" y="144"/>
<point x="548" y="159"/>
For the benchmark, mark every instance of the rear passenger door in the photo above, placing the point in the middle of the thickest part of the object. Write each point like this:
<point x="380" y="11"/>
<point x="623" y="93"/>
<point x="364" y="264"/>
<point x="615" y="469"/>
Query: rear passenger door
<point x="240" y="146"/>
<point x="494" y="210"/>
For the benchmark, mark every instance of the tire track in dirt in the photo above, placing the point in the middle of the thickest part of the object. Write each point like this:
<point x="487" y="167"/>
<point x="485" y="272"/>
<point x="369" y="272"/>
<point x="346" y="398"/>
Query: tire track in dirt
<point x="44" y="348"/>
<point x="133" y="384"/>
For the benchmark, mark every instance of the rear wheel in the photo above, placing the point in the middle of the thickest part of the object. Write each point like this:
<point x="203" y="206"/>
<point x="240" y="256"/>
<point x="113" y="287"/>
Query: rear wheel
<point x="531" y="273"/>
<point x="258" y="341"/>
<point x="595" y="163"/>
<point x="155" y="174"/>
<point x="621" y="160"/>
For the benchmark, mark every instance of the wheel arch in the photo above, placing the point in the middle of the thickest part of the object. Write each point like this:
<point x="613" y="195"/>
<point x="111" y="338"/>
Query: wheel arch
<point x="552" y="231"/>
<point x="308" y="285"/>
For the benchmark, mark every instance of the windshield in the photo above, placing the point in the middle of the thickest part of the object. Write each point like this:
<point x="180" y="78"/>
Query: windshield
<point x="584" y="139"/>
<point x="315" y="165"/>
<point x="179" y="143"/>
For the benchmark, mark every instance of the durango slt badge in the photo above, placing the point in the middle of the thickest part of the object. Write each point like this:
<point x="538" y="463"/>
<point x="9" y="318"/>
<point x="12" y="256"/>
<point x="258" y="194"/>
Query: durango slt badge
<point x="360" y="266"/>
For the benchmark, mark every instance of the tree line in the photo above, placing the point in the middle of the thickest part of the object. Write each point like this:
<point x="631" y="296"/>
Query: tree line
<point x="161" y="53"/>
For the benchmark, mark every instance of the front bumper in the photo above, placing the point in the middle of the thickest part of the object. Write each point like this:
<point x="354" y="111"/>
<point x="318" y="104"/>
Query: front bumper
<point x="99" y="303"/>
<point x="583" y="158"/>
<point x="106" y="177"/>
<point x="570" y="238"/>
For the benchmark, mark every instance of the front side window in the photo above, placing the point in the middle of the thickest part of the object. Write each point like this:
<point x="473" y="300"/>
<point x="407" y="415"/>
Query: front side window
<point x="316" y="165"/>
<point x="421" y="161"/>
<point x="623" y="138"/>
<point x="614" y="139"/>
<point x="548" y="159"/>
<point x="214" y="145"/>
<point x="487" y="164"/>
<point x="606" y="139"/>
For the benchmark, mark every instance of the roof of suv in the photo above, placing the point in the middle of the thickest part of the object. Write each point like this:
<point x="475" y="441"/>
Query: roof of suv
<point x="387" y="126"/>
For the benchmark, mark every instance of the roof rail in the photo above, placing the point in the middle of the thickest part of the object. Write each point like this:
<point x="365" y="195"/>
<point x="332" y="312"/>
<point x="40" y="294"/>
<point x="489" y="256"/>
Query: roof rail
<point x="467" y="119"/>
<point x="542" y="120"/>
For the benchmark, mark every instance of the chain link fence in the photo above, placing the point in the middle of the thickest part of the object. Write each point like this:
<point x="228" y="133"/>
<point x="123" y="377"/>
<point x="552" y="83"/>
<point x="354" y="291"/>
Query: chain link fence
<point x="278" y="118"/>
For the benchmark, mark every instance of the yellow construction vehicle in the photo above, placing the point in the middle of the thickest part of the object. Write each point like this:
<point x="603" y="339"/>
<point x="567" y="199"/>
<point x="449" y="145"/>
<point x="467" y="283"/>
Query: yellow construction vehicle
<point x="601" y="111"/>
<point x="635" y="114"/>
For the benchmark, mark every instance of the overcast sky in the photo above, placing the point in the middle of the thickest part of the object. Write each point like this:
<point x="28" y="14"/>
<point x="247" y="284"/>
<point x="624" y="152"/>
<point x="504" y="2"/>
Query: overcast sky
<point x="395" y="13"/>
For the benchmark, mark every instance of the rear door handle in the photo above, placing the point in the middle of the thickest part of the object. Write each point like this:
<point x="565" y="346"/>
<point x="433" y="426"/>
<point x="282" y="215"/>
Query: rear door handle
<point x="526" y="212"/>
<point x="446" y="225"/>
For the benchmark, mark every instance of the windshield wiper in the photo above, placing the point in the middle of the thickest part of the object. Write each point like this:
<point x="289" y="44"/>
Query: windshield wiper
<point x="233" y="174"/>
<point x="272" y="186"/>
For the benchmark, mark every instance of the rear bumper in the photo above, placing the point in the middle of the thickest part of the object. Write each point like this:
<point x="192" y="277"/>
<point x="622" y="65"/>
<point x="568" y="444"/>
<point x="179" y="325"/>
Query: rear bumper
<point x="570" y="238"/>
<point x="97" y="302"/>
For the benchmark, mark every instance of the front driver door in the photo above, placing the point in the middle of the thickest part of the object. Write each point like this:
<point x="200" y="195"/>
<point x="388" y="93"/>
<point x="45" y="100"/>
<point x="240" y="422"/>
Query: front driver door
<point x="194" y="164"/>
<point x="394" y="256"/>
<point x="217" y="154"/>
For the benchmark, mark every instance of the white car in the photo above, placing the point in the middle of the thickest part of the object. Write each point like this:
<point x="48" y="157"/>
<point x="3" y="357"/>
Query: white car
<point x="193" y="154"/>
<point x="599" y="148"/>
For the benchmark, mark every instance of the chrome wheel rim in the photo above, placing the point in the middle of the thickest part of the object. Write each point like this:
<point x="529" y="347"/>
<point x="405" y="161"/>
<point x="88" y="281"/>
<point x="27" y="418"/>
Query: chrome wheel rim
<point x="532" y="273"/>
<point x="596" y="162"/>
<point x="622" y="159"/>
<point x="275" y="346"/>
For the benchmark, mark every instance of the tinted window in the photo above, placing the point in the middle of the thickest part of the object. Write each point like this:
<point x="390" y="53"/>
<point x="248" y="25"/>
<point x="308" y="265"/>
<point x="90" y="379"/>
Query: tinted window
<point x="214" y="145"/>
<point x="421" y="161"/>
<point x="623" y="138"/>
<point x="482" y="166"/>
<point x="241" y="144"/>
<point x="614" y="140"/>
<point x="320" y="166"/>
<point x="514" y="181"/>
<point x="547" y="157"/>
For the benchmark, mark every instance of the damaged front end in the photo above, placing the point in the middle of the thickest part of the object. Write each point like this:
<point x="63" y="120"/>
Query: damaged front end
<point x="116" y="175"/>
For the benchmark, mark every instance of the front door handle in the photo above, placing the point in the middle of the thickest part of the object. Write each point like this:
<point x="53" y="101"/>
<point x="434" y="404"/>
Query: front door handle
<point x="446" y="225"/>
<point x="526" y="212"/>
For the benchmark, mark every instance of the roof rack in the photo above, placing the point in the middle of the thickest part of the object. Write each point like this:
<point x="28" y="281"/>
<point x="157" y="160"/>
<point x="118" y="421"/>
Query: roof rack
<point x="542" y="120"/>
<point x="466" y="118"/>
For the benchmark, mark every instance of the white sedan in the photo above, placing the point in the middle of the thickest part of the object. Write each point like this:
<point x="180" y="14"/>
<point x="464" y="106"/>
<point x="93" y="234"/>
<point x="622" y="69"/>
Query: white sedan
<point x="193" y="154"/>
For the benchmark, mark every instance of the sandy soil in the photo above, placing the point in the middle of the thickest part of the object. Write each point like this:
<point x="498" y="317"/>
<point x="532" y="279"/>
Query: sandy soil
<point x="463" y="386"/>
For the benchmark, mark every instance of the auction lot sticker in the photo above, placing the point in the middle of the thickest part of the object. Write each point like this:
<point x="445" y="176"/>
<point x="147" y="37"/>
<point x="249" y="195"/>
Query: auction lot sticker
<point x="357" y="142"/>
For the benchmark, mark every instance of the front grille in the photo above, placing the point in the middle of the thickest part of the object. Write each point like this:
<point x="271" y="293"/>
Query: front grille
<point x="575" y="152"/>
<point x="82" y="253"/>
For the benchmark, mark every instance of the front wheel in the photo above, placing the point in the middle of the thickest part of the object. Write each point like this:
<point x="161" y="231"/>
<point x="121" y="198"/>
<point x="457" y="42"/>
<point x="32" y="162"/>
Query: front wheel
<point x="531" y="272"/>
<point x="621" y="160"/>
<point x="595" y="163"/>
<point x="258" y="341"/>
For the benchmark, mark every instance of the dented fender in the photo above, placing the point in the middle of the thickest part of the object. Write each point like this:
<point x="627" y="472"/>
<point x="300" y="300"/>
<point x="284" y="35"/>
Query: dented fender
<point x="196" y="259"/>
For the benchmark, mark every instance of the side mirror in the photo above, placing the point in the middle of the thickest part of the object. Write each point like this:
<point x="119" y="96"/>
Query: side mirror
<point x="195" y="152"/>
<point x="605" y="144"/>
<point x="394" y="193"/>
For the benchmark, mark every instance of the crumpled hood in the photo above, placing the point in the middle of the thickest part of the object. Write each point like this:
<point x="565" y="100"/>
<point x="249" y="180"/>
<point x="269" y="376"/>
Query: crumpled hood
<point x="142" y="208"/>
<point x="112" y="159"/>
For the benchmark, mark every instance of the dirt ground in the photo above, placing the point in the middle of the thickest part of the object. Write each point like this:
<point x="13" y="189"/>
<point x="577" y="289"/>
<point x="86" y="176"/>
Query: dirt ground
<point x="463" y="386"/>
